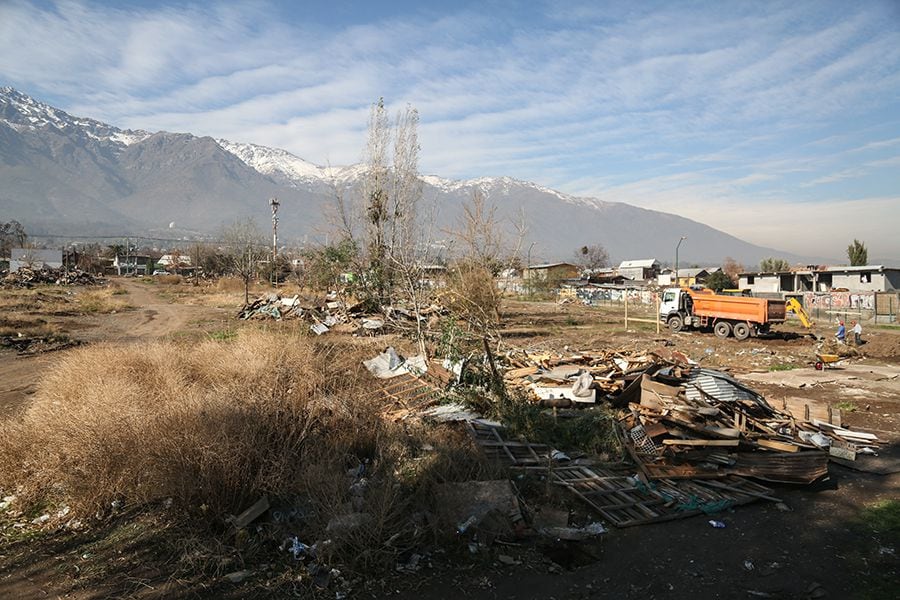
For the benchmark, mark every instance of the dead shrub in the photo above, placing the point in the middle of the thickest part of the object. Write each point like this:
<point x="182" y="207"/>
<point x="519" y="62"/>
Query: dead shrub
<point x="216" y="425"/>
<point x="472" y="296"/>
<point x="169" y="279"/>
<point x="230" y="284"/>
<point x="100" y="301"/>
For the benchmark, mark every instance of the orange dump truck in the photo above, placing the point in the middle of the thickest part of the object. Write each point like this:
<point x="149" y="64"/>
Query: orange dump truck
<point x="740" y="316"/>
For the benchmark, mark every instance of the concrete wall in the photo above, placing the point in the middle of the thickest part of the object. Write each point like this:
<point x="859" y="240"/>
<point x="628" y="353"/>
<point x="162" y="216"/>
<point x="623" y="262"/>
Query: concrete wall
<point x="34" y="258"/>
<point x="855" y="281"/>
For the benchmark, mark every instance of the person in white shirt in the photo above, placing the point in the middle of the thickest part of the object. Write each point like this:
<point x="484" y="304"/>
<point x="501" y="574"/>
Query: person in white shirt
<point x="857" y="333"/>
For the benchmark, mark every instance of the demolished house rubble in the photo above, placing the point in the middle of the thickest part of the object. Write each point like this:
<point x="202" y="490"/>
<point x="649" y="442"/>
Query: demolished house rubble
<point x="27" y="278"/>
<point x="333" y="314"/>
<point x="698" y="440"/>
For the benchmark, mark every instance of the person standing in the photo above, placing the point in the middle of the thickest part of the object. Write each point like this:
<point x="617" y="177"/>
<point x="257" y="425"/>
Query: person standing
<point x="841" y="332"/>
<point x="857" y="333"/>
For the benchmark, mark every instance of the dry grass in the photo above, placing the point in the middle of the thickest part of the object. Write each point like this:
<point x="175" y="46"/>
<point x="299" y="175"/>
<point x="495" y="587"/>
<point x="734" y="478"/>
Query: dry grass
<point x="103" y="301"/>
<point x="214" y="426"/>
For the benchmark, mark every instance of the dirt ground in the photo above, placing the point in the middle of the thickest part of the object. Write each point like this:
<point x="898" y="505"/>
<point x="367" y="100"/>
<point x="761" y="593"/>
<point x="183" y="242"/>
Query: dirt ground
<point x="817" y="543"/>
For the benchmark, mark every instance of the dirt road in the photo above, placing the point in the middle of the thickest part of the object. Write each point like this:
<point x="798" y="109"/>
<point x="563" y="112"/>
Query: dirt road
<point x="152" y="317"/>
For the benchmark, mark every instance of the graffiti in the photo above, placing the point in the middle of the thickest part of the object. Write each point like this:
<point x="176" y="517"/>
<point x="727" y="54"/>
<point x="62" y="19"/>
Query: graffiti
<point x="839" y="300"/>
<point x="592" y="295"/>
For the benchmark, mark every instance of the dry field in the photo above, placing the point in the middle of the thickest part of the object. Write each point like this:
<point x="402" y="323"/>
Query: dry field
<point x="172" y="415"/>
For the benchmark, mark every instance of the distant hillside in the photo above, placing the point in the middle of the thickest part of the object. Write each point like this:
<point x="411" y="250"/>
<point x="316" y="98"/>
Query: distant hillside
<point x="72" y="175"/>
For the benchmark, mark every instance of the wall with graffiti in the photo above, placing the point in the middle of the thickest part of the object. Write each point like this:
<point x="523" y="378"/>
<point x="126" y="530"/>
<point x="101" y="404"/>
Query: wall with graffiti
<point x="839" y="300"/>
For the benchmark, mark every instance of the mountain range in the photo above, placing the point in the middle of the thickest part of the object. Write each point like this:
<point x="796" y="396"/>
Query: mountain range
<point x="66" y="175"/>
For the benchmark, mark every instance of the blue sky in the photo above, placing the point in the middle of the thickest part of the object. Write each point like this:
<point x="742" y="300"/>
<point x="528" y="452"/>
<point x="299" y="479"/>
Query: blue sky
<point x="778" y="122"/>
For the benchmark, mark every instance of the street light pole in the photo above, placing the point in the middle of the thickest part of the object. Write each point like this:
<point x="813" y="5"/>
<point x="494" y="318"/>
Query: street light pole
<point x="684" y="237"/>
<point x="273" y="202"/>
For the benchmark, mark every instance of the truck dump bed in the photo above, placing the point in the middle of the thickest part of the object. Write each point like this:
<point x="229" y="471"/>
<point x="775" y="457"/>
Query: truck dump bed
<point x="740" y="308"/>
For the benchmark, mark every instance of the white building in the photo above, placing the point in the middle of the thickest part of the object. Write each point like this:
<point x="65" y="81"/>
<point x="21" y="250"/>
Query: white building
<point x="867" y="278"/>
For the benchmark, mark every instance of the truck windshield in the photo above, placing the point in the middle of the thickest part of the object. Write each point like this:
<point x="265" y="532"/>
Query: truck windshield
<point x="669" y="297"/>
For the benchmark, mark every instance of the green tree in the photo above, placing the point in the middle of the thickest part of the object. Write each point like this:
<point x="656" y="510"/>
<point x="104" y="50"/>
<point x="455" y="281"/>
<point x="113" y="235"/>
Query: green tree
<point x="719" y="281"/>
<point x="858" y="254"/>
<point x="771" y="265"/>
<point x="323" y="267"/>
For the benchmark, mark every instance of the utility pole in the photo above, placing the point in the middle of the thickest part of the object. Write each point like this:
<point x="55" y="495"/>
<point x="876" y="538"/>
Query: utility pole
<point x="273" y="202"/>
<point x="684" y="237"/>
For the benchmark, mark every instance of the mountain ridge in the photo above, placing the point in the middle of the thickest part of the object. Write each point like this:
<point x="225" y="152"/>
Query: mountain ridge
<point x="74" y="172"/>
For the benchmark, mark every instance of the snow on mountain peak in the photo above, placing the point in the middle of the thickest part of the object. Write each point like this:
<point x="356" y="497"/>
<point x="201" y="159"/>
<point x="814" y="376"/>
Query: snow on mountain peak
<point x="22" y="112"/>
<point x="274" y="161"/>
<point x="287" y="167"/>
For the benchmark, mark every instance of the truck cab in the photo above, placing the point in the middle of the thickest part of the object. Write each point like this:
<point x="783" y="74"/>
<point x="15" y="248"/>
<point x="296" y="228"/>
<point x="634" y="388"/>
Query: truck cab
<point x="675" y="308"/>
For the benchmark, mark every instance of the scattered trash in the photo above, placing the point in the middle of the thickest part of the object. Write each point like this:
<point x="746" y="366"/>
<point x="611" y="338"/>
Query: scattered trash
<point x="716" y="524"/>
<point x="238" y="576"/>
<point x="389" y="364"/>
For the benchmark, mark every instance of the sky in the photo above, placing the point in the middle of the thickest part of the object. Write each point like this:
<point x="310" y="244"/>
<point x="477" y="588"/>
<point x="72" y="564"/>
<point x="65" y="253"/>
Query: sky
<point x="777" y="122"/>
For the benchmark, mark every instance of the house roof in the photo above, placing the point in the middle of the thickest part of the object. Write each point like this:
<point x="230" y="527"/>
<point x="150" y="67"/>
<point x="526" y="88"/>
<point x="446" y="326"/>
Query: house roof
<point x="878" y="268"/>
<point x="644" y="263"/>
<point x="860" y="269"/>
<point x="549" y="265"/>
<point x="691" y="272"/>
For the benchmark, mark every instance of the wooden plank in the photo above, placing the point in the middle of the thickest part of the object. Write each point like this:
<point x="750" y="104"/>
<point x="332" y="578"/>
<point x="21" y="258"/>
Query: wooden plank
<point x="252" y="513"/>
<point x="674" y="442"/>
<point x="776" y="445"/>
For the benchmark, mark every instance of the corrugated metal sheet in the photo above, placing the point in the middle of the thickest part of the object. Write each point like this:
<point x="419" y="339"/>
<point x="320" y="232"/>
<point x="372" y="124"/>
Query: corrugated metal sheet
<point x="718" y="385"/>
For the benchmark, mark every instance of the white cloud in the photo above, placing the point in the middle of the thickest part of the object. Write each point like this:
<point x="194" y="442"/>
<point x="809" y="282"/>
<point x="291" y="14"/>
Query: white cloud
<point x="673" y="107"/>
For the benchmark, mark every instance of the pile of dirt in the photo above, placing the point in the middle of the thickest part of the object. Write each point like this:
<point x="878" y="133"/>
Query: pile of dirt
<point x="881" y="344"/>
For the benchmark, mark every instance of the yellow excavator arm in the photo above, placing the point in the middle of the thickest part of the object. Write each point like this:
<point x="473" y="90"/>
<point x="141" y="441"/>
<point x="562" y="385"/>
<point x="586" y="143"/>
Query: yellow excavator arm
<point x="794" y="306"/>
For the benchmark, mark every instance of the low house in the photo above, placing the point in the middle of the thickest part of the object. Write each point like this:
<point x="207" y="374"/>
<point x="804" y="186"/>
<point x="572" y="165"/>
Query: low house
<point x="867" y="278"/>
<point x="644" y="269"/>
<point x="34" y="258"/>
<point x="694" y="276"/>
<point x="135" y="264"/>
<point x="551" y="272"/>
<point x="605" y="276"/>
<point x="174" y="260"/>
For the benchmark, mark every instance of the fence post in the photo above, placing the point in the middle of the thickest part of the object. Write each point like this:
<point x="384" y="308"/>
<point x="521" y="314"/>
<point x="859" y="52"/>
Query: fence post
<point x="656" y="312"/>
<point x="625" y="297"/>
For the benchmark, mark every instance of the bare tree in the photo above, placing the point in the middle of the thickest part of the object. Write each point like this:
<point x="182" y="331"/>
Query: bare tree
<point x="246" y="246"/>
<point x="732" y="268"/>
<point x="482" y="250"/>
<point x="12" y="235"/>
<point x="592" y="257"/>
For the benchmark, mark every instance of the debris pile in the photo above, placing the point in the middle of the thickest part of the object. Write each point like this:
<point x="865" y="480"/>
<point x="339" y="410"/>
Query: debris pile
<point x="692" y="422"/>
<point x="583" y="378"/>
<point x="696" y="437"/>
<point x="26" y="278"/>
<point x="333" y="314"/>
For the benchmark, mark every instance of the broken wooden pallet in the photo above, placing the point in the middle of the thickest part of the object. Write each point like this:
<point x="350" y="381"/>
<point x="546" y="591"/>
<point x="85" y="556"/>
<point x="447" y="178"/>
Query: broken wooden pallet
<point x="627" y="501"/>
<point x="510" y="453"/>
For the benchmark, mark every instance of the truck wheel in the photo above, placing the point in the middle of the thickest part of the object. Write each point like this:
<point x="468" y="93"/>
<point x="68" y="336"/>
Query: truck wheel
<point x="676" y="324"/>
<point x="741" y="331"/>
<point x="722" y="329"/>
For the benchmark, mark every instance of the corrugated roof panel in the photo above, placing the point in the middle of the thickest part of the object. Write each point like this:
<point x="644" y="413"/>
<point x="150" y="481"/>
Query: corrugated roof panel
<point x="717" y="384"/>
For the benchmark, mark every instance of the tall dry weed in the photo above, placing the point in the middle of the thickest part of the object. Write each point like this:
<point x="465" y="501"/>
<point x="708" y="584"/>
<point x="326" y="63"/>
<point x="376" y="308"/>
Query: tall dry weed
<point x="211" y="426"/>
